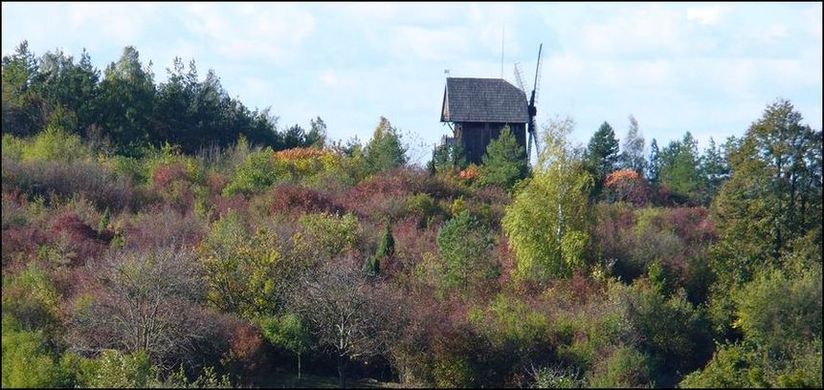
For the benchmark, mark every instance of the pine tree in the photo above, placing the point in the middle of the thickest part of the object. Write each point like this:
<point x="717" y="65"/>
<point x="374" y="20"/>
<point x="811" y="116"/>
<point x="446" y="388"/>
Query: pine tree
<point x="504" y="162"/>
<point x="386" y="248"/>
<point x="385" y="150"/>
<point x="602" y="155"/>
<point x="654" y="163"/>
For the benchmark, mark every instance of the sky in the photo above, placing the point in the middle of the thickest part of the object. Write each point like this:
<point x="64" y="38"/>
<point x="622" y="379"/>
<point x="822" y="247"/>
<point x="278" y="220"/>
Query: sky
<point x="707" y="68"/>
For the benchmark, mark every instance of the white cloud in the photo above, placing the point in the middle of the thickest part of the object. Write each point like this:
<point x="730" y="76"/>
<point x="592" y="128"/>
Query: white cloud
<point x="708" y="15"/>
<point x="329" y="79"/>
<point x="427" y="44"/>
<point x="635" y="31"/>
<point x="274" y="33"/>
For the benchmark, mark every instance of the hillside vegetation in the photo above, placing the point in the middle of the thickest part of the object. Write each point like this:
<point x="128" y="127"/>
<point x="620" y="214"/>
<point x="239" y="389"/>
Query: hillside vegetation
<point x="164" y="235"/>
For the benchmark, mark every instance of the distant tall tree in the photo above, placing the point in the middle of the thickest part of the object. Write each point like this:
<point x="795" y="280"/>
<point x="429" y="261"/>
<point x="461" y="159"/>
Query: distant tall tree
<point x="69" y="90"/>
<point x="385" y="150"/>
<point x="504" y="162"/>
<point x="714" y="170"/>
<point x="602" y="155"/>
<point x="22" y="106"/>
<point x="654" y="163"/>
<point x="317" y="133"/>
<point x="127" y="100"/>
<point x="773" y="197"/>
<point x="679" y="168"/>
<point x="632" y="154"/>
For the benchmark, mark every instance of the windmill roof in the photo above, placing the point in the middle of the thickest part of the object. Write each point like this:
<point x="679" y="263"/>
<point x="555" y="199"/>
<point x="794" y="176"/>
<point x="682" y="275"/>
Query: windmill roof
<point x="483" y="100"/>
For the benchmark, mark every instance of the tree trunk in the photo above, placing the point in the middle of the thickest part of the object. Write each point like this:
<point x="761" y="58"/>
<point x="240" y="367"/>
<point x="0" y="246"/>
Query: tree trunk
<point x="298" y="366"/>
<point x="341" y="372"/>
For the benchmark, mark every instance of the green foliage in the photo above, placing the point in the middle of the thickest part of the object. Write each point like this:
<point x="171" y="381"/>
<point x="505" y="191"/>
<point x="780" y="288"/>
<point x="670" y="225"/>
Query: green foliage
<point x="625" y="367"/>
<point x="777" y="310"/>
<point x="52" y="144"/>
<point x="773" y="196"/>
<point x="385" y="150"/>
<point x="449" y="156"/>
<point x="31" y="299"/>
<point x="115" y="369"/>
<point x="602" y="153"/>
<point x="464" y="244"/>
<point x="423" y="205"/>
<point x="208" y="379"/>
<point x="12" y="147"/>
<point x="550" y="241"/>
<point x="654" y="163"/>
<point x="287" y="332"/>
<point x="243" y="270"/>
<point x="743" y="365"/>
<point x="331" y="234"/>
<point x="27" y="360"/>
<point x="386" y="248"/>
<point x="508" y="321"/>
<point x="504" y="162"/>
<point x="452" y="373"/>
<point x="714" y="170"/>
<point x="679" y="169"/>
<point x="257" y="173"/>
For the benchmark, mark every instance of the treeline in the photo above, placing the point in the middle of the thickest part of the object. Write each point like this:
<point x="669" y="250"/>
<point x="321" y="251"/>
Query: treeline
<point x="125" y="108"/>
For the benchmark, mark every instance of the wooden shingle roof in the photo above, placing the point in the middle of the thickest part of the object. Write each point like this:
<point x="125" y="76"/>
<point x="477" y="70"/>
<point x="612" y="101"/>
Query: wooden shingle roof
<point x="483" y="100"/>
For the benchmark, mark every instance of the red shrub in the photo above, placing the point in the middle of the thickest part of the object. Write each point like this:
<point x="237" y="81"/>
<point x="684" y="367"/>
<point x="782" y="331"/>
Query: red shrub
<point x="288" y="198"/>
<point x="162" y="227"/>
<point x="626" y="185"/>
<point x="216" y="182"/>
<point x="412" y="243"/>
<point x="167" y="173"/>
<point x="246" y="348"/>
<point x="223" y="205"/>
<point x="690" y="223"/>
<point x="78" y="242"/>
<point x="20" y="244"/>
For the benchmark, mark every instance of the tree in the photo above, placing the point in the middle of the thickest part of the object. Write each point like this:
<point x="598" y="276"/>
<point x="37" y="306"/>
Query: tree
<point x="551" y="241"/>
<point x="385" y="150"/>
<point x="127" y="100"/>
<point x="244" y="272"/>
<point x="504" y="162"/>
<point x="22" y="105"/>
<point x="773" y="197"/>
<point x="287" y="331"/>
<point x="654" y="167"/>
<point x="337" y="304"/>
<point x="632" y="154"/>
<point x="145" y="302"/>
<point x="679" y="168"/>
<point x="447" y="156"/>
<point x="602" y="152"/>
<point x="386" y="248"/>
<point x="713" y="169"/>
<point x="317" y="133"/>
<point x="464" y="244"/>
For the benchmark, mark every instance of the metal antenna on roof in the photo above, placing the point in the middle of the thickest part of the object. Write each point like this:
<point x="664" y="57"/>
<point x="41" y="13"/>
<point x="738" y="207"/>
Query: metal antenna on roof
<point x="503" y="31"/>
